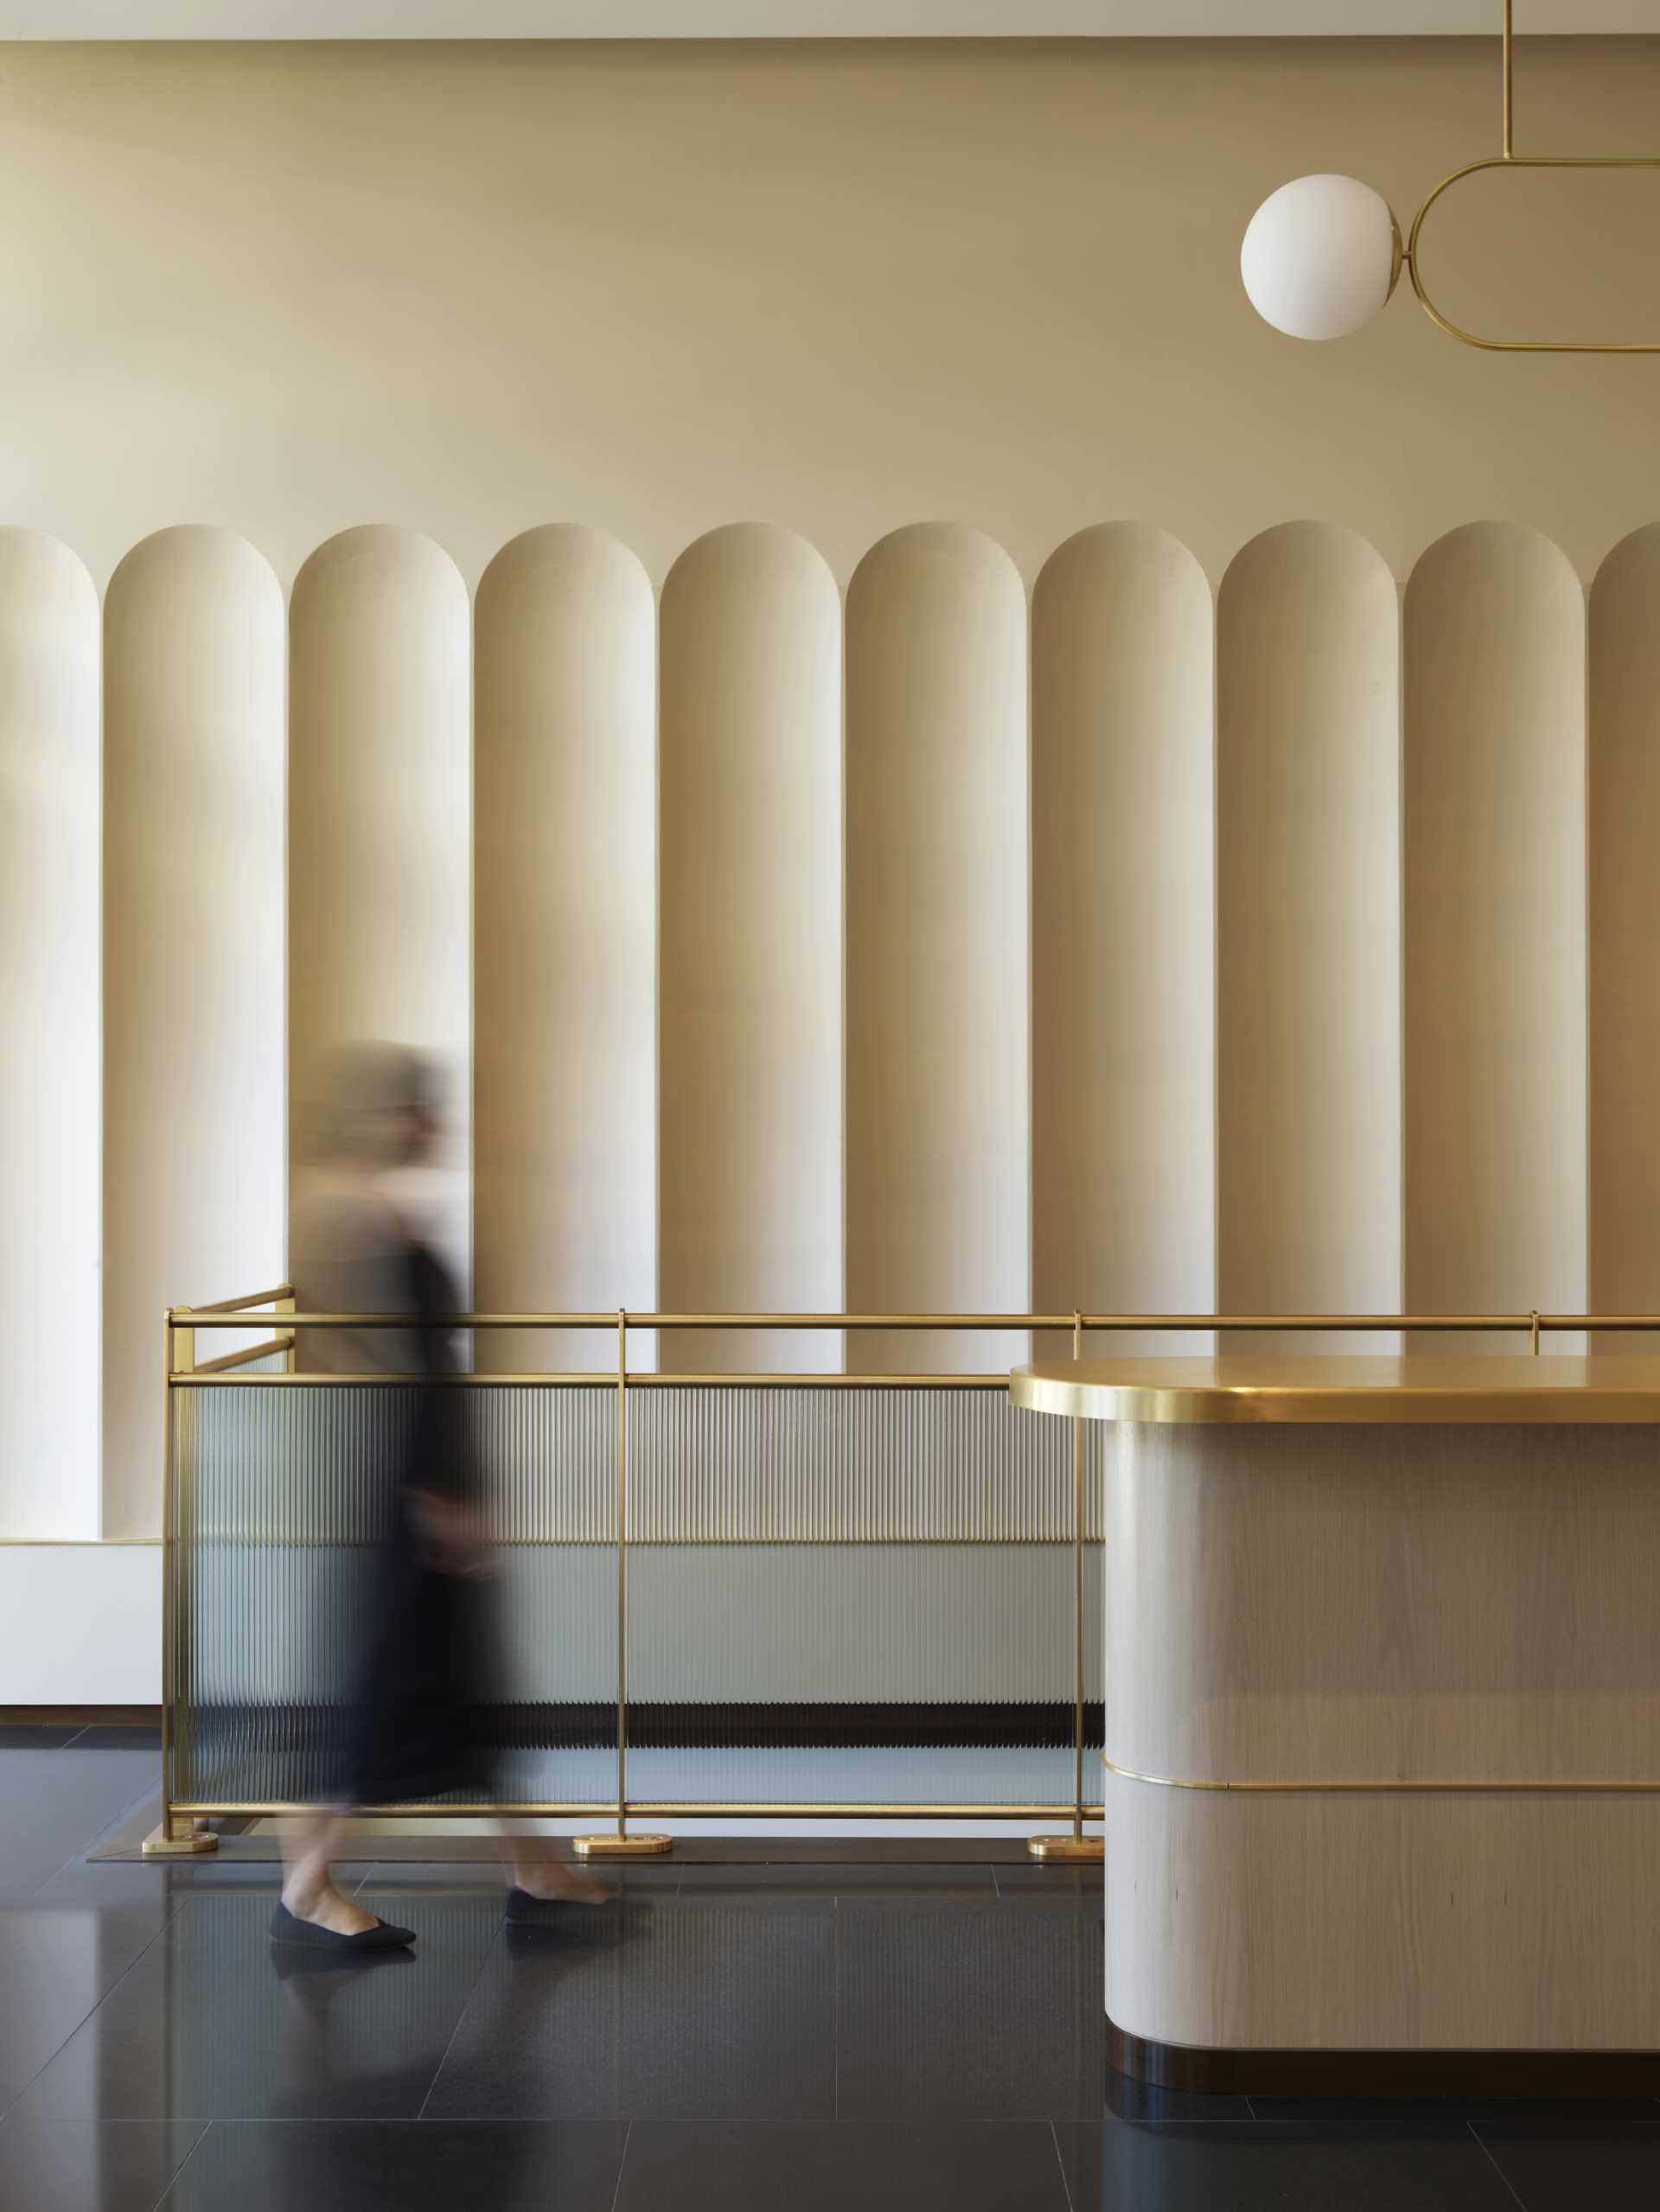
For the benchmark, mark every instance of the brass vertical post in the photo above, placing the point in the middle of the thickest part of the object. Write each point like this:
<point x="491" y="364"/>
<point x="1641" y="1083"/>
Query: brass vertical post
<point x="1077" y="1599"/>
<point x="621" y="1573"/>
<point x="1510" y="104"/>
<point x="178" y="1833"/>
<point x="623" y="1844"/>
<point x="1533" y="1332"/>
<point x="1076" y="1845"/>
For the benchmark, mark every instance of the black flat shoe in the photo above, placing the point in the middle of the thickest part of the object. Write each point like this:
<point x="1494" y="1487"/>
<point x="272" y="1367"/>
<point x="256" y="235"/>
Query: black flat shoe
<point x="524" y="1911"/>
<point x="287" y="1927"/>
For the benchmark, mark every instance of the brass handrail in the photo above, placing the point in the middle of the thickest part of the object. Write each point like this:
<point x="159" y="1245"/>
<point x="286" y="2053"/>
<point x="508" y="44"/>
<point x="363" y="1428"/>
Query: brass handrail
<point x="183" y="1373"/>
<point x="1520" y="1322"/>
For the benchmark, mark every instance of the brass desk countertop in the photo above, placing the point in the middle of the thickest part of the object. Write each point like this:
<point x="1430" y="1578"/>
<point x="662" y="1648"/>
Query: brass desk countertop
<point x="1551" y="1387"/>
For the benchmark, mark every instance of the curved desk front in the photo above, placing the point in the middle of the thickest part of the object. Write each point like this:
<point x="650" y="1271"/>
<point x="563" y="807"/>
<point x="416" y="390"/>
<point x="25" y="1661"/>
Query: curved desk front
<point x="1382" y="1719"/>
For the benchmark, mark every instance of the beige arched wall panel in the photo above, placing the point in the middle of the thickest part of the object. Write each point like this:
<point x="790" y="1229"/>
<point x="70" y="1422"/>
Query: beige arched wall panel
<point x="750" y="749"/>
<point x="1624" y="840"/>
<point x="49" y="1021"/>
<point x="565" y="941"/>
<point x="1123" y="934"/>
<point x="1308" y="933"/>
<point x="1495" y="888"/>
<point x="938" y="1214"/>
<point x="379" y="830"/>
<point x="193" y="1106"/>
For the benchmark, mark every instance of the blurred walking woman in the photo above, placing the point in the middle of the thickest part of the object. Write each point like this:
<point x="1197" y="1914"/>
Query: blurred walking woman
<point x="415" y="1715"/>
<point x="412" y="1720"/>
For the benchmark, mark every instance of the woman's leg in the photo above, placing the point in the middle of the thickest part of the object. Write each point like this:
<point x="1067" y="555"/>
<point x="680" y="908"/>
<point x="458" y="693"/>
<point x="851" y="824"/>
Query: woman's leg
<point x="308" y="1890"/>
<point x="533" y="1869"/>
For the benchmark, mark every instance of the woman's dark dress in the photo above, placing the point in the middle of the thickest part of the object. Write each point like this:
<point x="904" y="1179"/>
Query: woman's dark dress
<point x="419" y="1718"/>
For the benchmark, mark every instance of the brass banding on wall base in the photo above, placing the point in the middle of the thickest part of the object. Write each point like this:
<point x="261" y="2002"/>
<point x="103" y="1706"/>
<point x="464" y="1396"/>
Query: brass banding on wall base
<point x="1402" y="1787"/>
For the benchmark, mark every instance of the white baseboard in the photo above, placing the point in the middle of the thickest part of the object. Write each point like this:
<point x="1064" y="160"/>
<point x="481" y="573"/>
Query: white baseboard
<point x="81" y="1624"/>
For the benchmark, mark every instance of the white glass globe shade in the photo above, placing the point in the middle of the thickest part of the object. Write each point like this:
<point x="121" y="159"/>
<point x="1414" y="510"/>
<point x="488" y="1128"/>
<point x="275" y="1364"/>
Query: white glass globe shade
<point x="1320" y="257"/>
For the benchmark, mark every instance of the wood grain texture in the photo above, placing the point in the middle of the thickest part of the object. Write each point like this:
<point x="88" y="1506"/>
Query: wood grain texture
<point x="1123" y="931"/>
<point x="1308" y="930"/>
<point x="564" y="943"/>
<point x="1367" y="1602"/>
<point x="937" y="1073"/>
<point x="1374" y="1602"/>
<point x="750" y="1016"/>
<point x="1624" y="833"/>
<point x="1495" y="928"/>
<point x="193" y="1081"/>
<point x="1504" y="1923"/>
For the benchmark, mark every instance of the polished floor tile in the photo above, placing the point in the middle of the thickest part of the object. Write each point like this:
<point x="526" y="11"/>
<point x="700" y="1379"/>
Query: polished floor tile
<point x="217" y="2021"/>
<point x="1421" y="2111"/>
<point x="55" y="1968"/>
<point x="138" y="1881"/>
<point x="1032" y="1878"/>
<point x="686" y="2008"/>
<point x="659" y="1880"/>
<point x="1182" y="2167"/>
<point x="1128" y="2100"/>
<point x="82" y="2165"/>
<point x="837" y="2165"/>
<point x="1610" y="2164"/>
<point x="959" y="2008"/>
<point x="849" y="1880"/>
<point x="400" y="2166"/>
<point x="55" y="1804"/>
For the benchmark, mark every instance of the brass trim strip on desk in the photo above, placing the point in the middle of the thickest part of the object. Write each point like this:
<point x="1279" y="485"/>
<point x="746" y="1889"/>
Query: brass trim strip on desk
<point x="1406" y="1787"/>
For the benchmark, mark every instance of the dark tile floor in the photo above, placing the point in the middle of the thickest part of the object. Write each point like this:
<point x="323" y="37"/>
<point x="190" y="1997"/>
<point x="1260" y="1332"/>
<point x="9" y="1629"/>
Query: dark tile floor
<point x="720" y="2036"/>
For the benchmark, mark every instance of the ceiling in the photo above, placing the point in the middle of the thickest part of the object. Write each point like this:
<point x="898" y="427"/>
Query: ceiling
<point x="398" y="19"/>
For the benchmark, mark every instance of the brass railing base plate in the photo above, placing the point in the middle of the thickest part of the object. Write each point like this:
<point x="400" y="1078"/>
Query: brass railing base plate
<point x="159" y="1844"/>
<point x="616" y="1847"/>
<point x="1067" y="1850"/>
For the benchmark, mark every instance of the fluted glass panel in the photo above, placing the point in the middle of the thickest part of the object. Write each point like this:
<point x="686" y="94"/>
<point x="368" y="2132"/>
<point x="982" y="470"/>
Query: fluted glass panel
<point x="835" y="1594"/>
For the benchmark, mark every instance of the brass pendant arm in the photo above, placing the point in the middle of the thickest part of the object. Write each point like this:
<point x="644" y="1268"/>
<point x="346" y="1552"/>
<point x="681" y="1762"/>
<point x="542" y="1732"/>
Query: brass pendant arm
<point x="1507" y="161"/>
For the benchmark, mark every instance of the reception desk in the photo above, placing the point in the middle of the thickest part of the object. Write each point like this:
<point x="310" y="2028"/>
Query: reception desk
<point x="1382" y="1719"/>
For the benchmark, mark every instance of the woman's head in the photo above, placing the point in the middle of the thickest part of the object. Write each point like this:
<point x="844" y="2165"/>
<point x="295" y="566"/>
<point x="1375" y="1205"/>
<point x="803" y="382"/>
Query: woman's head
<point x="378" y="1107"/>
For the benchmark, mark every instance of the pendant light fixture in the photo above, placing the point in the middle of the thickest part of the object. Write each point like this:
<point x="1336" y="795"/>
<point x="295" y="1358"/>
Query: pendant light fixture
<point x="1323" y="254"/>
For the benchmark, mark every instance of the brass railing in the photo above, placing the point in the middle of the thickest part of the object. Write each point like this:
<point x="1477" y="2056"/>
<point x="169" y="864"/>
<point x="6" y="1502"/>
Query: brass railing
<point x="183" y="1815"/>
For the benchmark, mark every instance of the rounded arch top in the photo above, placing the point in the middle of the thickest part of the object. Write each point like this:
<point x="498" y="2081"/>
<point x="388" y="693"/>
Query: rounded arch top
<point x="1514" y="550"/>
<point x="34" y="563"/>
<point x="749" y="551"/>
<point x="1107" y="553"/>
<point x="957" y="552"/>
<point x="1634" y="562"/>
<point x="1301" y="552"/>
<point x="198" y="548"/>
<point x="371" y="552"/>
<point x="559" y="556"/>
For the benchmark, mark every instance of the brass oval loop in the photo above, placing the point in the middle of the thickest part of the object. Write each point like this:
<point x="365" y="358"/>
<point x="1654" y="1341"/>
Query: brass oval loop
<point x="1521" y="345"/>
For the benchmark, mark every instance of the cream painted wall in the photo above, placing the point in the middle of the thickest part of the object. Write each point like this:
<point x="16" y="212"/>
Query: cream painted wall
<point x="455" y="294"/>
<point x="840" y="288"/>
